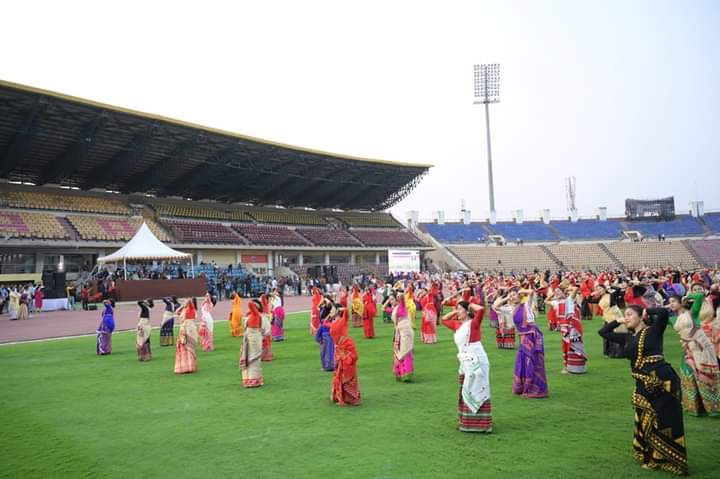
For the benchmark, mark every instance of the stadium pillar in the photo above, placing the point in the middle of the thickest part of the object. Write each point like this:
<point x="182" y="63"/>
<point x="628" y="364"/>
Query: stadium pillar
<point x="300" y="259"/>
<point x="327" y="258"/>
<point x="352" y="258"/>
<point x="270" y="263"/>
<point x="377" y="258"/>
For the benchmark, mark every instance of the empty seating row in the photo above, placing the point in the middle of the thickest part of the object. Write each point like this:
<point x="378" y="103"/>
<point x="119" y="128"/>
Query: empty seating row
<point x="379" y="219"/>
<point x="271" y="235"/>
<point x="707" y="250"/>
<point x="679" y="226"/>
<point x="456" y="232"/>
<point x="328" y="237"/>
<point x="524" y="231"/>
<point x="288" y="217"/>
<point x="202" y="232"/>
<point x="346" y="272"/>
<point x="588" y="229"/>
<point x="504" y="258"/>
<point x="653" y="254"/>
<point x="386" y="237"/>
<point x="712" y="220"/>
<point x="582" y="256"/>
<point x="31" y="226"/>
<point x="60" y="201"/>
<point x="194" y="210"/>
<point x="109" y="228"/>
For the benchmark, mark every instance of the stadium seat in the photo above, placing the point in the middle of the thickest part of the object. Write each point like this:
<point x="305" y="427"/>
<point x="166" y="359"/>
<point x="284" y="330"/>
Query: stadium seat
<point x="505" y="259"/>
<point x="376" y="219"/>
<point x="535" y="231"/>
<point x="271" y="235"/>
<point x="582" y="256"/>
<point x="201" y="211"/>
<point x="707" y="250"/>
<point x="31" y="225"/>
<point x="328" y="237"/>
<point x="202" y="232"/>
<point x="61" y="202"/>
<point x="712" y="220"/>
<point x="456" y="232"/>
<point x="681" y="225"/>
<point x="289" y="217"/>
<point x="112" y="228"/>
<point x="386" y="237"/>
<point x="656" y="254"/>
<point x="588" y="229"/>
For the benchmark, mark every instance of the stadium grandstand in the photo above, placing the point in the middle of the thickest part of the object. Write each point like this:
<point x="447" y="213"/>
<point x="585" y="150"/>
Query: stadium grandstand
<point x="682" y="240"/>
<point x="78" y="178"/>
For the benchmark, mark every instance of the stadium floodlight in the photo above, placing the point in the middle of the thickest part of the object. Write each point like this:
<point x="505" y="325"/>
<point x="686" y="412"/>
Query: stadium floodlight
<point x="487" y="90"/>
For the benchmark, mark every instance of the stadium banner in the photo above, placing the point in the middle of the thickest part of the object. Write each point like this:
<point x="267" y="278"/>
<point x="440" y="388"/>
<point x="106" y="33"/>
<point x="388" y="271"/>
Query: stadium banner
<point x="254" y="259"/>
<point x="403" y="261"/>
<point x="648" y="209"/>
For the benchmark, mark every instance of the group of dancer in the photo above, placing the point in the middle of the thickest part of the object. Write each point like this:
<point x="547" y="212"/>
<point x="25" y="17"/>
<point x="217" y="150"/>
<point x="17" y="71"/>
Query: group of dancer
<point x="636" y="308"/>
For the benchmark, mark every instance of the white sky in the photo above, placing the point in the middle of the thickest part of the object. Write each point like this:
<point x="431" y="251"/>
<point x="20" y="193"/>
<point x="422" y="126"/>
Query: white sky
<point x="624" y="95"/>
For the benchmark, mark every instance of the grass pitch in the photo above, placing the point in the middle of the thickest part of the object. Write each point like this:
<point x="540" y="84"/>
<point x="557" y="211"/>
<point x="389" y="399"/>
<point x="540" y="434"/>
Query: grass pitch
<point x="68" y="413"/>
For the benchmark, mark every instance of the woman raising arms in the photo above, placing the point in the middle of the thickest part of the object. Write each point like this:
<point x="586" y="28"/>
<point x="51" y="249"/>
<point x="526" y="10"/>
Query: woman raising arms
<point x="474" y="407"/>
<point x="659" y="435"/>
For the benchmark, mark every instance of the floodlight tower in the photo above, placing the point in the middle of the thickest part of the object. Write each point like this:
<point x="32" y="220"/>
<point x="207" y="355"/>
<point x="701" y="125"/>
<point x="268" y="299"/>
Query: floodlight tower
<point x="487" y="90"/>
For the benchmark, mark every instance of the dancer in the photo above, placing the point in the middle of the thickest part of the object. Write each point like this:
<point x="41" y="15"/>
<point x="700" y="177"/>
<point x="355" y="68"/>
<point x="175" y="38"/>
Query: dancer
<point x="186" y="347"/>
<point x="699" y="372"/>
<point x="267" y="328"/>
<point x="278" y="317"/>
<point x="345" y="389"/>
<point x="369" y="312"/>
<point x="235" y="319"/>
<point x="168" y="322"/>
<point x="659" y="435"/>
<point x="14" y="304"/>
<point x="23" y="311"/>
<point x="529" y="379"/>
<point x="315" y="311"/>
<point x="142" y="337"/>
<point x="207" y="323"/>
<point x="323" y="338"/>
<point x="710" y="323"/>
<point x="607" y="300"/>
<point x="505" y="332"/>
<point x="474" y="408"/>
<point x="252" y="347"/>
<point x="403" y="365"/>
<point x="573" y="348"/>
<point x="105" y="330"/>
<point x="357" y="307"/>
<point x="428" y="329"/>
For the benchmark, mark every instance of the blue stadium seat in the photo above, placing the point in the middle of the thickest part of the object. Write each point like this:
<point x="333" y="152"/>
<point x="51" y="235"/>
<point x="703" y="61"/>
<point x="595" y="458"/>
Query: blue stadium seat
<point x="684" y="225"/>
<point x="455" y="232"/>
<point x="524" y="231"/>
<point x="588" y="229"/>
<point x="713" y="221"/>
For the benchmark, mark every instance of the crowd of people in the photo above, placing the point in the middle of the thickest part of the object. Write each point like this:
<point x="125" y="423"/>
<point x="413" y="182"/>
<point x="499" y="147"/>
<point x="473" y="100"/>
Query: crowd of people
<point x="20" y="301"/>
<point x="636" y="308"/>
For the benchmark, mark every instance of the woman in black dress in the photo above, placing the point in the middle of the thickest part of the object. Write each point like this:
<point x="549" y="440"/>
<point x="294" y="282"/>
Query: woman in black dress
<point x="659" y="436"/>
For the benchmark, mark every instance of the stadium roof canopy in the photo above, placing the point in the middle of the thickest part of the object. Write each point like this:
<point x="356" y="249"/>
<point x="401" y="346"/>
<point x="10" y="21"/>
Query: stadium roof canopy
<point x="50" y="138"/>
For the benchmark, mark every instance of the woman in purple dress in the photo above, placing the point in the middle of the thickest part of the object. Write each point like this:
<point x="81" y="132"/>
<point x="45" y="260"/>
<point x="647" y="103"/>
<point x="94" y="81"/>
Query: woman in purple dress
<point x="322" y="336"/>
<point x="530" y="380"/>
<point x="105" y="330"/>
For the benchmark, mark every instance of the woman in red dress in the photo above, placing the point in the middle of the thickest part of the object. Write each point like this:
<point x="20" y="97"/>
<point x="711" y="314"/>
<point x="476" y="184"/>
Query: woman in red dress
<point x="345" y="387"/>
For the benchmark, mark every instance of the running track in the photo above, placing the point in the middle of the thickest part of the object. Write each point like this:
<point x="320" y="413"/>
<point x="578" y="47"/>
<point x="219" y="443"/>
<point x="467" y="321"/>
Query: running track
<point x="59" y="324"/>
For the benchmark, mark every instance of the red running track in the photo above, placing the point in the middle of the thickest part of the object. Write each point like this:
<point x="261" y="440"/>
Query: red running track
<point x="59" y="324"/>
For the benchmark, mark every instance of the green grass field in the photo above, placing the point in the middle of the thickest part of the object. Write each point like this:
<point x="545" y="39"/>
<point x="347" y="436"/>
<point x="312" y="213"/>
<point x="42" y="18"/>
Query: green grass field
<point x="68" y="413"/>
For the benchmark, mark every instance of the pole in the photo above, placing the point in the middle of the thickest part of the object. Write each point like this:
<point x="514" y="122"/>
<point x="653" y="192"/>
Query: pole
<point x="490" y="172"/>
<point x="192" y="268"/>
<point x="125" y="268"/>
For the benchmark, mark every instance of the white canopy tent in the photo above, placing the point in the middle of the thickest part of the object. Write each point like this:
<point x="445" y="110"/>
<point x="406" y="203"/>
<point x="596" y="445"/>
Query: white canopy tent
<point x="145" y="246"/>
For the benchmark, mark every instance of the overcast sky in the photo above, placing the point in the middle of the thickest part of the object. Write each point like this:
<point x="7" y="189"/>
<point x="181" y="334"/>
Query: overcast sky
<point x="625" y="95"/>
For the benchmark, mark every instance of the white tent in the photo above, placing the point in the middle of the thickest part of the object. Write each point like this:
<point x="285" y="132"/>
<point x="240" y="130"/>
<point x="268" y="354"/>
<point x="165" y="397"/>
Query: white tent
<point x="144" y="246"/>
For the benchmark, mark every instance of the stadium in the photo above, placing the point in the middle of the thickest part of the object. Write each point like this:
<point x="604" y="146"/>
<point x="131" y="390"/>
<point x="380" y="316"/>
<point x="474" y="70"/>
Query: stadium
<point x="181" y="299"/>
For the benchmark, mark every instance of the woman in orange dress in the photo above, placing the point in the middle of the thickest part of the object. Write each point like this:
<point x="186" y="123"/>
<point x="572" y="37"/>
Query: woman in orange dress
<point x="345" y="387"/>
<point x="235" y="320"/>
<point x="252" y="347"/>
<point x="315" y="311"/>
<point x="369" y="311"/>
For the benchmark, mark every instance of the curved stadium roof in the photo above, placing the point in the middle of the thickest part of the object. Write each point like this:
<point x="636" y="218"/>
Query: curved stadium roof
<point x="48" y="137"/>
